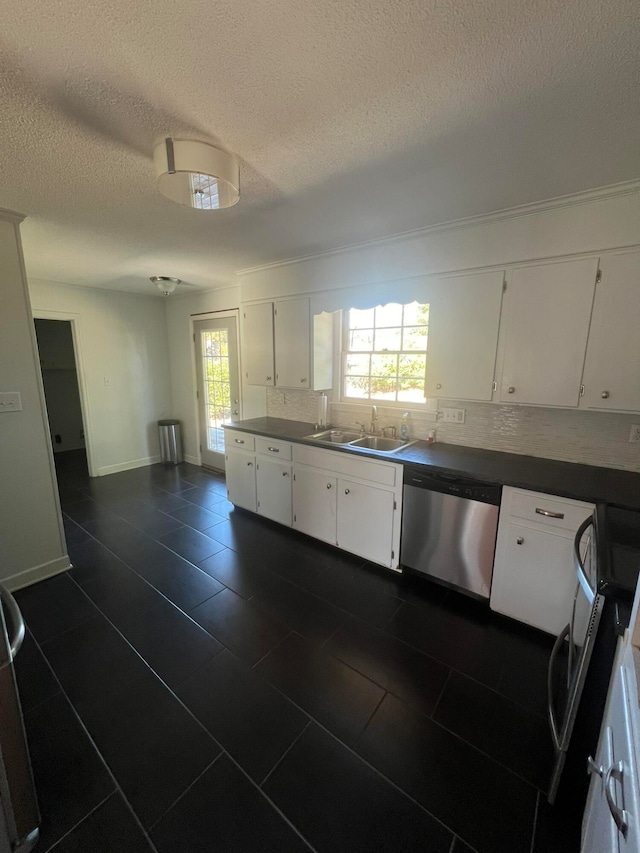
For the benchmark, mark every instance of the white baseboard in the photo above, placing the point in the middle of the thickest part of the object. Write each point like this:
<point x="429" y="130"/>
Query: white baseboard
<point x="127" y="466"/>
<point x="194" y="460"/>
<point x="37" y="573"/>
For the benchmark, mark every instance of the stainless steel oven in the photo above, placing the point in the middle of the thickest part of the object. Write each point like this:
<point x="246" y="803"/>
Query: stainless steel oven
<point x="607" y="564"/>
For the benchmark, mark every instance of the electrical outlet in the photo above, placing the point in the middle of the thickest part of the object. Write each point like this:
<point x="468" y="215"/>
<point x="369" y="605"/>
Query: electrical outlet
<point x="453" y="416"/>
<point x="634" y="432"/>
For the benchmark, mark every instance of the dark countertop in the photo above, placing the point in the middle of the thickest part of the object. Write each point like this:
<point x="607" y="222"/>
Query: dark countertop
<point x="566" y="479"/>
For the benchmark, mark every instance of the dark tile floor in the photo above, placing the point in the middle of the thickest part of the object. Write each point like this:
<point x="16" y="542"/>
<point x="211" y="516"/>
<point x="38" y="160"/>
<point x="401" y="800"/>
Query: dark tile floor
<point x="204" y="680"/>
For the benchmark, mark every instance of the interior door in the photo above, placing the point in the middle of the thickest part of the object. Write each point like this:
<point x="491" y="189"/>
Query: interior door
<point x="216" y="344"/>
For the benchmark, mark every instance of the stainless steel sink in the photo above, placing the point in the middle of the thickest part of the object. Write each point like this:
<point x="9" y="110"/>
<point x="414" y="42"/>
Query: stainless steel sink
<point x="334" y="436"/>
<point x="380" y="443"/>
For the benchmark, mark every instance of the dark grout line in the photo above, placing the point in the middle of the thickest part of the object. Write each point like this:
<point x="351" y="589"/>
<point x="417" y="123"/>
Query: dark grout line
<point x="285" y="753"/>
<point x="82" y="820"/>
<point x="189" y="787"/>
<point x="535" y="822"/>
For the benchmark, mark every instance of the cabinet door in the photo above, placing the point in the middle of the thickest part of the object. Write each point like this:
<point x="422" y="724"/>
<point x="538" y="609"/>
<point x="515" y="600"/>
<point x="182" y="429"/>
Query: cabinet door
<point x="365" y="521"/>
<point x="273" y="489"/>
<point x="612" y="369"/>
<point x="292" y="343"/>
<point x="314" y="504"/>
<point x="547" y="311"/>
<point x="240" y="472"/>
<point x="257" y="344"/>
<point x="464" y="317"/>
<point x="534" y="580"/>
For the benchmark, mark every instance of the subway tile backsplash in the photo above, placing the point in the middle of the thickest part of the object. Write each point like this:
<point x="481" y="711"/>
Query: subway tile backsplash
<point x="592" y="438"/>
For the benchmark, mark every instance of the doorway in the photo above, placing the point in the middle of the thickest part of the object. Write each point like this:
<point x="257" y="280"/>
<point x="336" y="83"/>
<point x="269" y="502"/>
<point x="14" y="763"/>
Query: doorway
<point x="218" y="389"/>
<point x="58" y="366"/>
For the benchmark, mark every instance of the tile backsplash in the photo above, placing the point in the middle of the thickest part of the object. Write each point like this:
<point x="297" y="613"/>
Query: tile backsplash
<point x="592" y="438"/>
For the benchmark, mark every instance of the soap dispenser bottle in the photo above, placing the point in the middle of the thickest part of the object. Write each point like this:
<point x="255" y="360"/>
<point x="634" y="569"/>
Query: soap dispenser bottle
<point x="404" y="430"/>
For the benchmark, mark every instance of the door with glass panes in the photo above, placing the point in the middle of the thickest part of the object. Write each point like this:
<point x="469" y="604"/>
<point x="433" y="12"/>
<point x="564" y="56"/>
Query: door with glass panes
<point x="216" y="344"/>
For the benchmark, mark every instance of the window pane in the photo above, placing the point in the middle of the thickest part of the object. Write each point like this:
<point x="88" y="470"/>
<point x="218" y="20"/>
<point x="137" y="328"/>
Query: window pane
<point x="389" y="315"/>
<point x="383" y="387"/>
<point x="388" y="339"/>
<point x="357" y="365"/>
<point x="412" y="366"/>
<point x="357" y="386"/>
<point x="361" y="319"/>
<point x="415" y="338"/>
<point x="411" y="391"/>
<point x="416" y="314"/>
<point x="361" y="340"/>
<point x="384" y="365"/>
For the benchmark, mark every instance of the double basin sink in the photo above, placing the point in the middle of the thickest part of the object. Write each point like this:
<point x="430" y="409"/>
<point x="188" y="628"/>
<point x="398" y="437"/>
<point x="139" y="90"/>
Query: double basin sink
<point x="356" y="441"/>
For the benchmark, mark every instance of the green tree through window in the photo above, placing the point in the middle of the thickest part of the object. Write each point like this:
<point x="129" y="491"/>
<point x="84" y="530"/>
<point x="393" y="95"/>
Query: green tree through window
<point x="386" y="353"/>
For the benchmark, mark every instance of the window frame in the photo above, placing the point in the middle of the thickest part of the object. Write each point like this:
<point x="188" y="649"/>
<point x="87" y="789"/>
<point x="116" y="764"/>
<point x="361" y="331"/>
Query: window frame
<point x="345" y="353"/>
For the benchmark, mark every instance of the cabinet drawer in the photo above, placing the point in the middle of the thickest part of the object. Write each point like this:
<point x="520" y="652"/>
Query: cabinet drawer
<point x="549" y="511"/>
<point x="385" y="473"/>
<point x="241" y="440"/>
<point x="273" y="447"/>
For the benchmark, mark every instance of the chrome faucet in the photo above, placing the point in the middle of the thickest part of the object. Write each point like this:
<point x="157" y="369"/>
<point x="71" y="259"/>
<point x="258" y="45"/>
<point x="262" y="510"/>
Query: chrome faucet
<point x="374" y="420"/>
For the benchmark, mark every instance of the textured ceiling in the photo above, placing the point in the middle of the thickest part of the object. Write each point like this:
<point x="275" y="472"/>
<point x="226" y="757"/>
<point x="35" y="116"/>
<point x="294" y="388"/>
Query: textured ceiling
<point x="353" y="119"/>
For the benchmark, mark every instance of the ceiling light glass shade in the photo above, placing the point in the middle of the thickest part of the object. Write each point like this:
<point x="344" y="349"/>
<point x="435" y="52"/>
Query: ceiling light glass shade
<point x="197" y="174"/>
<point x="165" y="284"/>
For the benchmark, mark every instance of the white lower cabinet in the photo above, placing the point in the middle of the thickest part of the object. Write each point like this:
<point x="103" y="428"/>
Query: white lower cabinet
<point x="241" y="478"/>
<point x="610" y="823"/>
<point x="353" y="502"/>
<point x="314" y="502"/>
<point x="273" y="490"/>
<point x="534" y="579"/>
<point x="365" y="521"/>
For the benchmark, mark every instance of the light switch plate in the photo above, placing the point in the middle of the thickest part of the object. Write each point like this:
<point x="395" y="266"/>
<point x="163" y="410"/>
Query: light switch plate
<point x="453" y="416"/>
<point x="10" y="401"/>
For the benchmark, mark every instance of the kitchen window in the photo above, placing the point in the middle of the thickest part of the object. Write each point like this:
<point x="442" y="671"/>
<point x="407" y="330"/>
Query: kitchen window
<point x="385" y="353"/>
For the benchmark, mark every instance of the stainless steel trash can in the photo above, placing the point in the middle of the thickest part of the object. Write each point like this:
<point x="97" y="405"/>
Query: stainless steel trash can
<point x="170" y="442"/>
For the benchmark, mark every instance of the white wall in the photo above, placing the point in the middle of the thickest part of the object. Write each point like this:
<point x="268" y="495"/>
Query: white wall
<point x="121" y="338"/>
<point x="401" y="268"/>
<point x="32" y="542"/>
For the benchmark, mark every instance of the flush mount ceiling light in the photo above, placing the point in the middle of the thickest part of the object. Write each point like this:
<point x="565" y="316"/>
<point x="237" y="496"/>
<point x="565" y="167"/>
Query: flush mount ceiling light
<point x="197" y="174"/>
<point x="165" y="284"/>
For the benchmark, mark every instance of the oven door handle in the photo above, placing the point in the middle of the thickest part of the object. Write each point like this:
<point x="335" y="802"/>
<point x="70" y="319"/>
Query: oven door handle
<point x="582" y="578"/>
<point x="555" y="734"/>
<point x="17" y="623"/>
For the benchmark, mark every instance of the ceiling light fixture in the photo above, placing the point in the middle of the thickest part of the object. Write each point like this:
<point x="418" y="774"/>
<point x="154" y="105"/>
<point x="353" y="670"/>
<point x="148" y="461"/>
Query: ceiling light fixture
<point x="165" y="284"/>
<point x="197" y="174"/>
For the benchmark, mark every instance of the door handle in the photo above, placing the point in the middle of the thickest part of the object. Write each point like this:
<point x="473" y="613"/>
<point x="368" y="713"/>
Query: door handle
<point x="17" y="623"/>
<point x="555" y="734"/>
<point x="274" y="449"/>
<point x="548" y="513"/>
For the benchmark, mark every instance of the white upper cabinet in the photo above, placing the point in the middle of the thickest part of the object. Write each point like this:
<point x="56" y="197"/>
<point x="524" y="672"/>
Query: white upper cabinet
<point x="612" y="369"/>
<point x="547" y="310"/>
<point x="464" y="318"/>
<point x="257" y="344"/>
<point x="284" y="345"/>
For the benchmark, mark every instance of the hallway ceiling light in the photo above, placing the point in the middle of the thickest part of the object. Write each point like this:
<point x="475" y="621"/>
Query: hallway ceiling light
<point x="165" y="284"/>
<point x="197" y="174"/>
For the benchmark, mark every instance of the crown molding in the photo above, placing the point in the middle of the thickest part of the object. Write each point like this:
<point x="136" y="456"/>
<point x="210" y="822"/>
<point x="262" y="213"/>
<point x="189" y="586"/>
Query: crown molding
<point x="584" y="197"/>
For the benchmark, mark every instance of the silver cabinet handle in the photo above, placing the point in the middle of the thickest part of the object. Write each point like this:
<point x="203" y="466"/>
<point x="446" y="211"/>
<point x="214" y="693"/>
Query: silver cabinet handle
<point x="346" y="491"/>
<point x="239" y="440"/>
<point x="249" y="464"/>
<point x="438" y="386"/>
<point x="519" y="540"/>
<point x="511" y="389"/>
<point x="592" y="767"/>
<point x="235" y="411"/>
<point x="274" y="449"/>
<point x="17" y="623"/>
<point x="285" y="473"/>
<point x="548" y="513"/>
<point x="605" y="395"/>
<point x="328" y="485"/>
<point x="268" y="378"/>
<point x="620" y="816"/>
<point x="303" y="380"/>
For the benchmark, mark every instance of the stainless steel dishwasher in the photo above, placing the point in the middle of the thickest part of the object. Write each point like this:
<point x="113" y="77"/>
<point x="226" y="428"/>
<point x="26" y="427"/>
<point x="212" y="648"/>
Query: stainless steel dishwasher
<point x="449" y="527"/>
